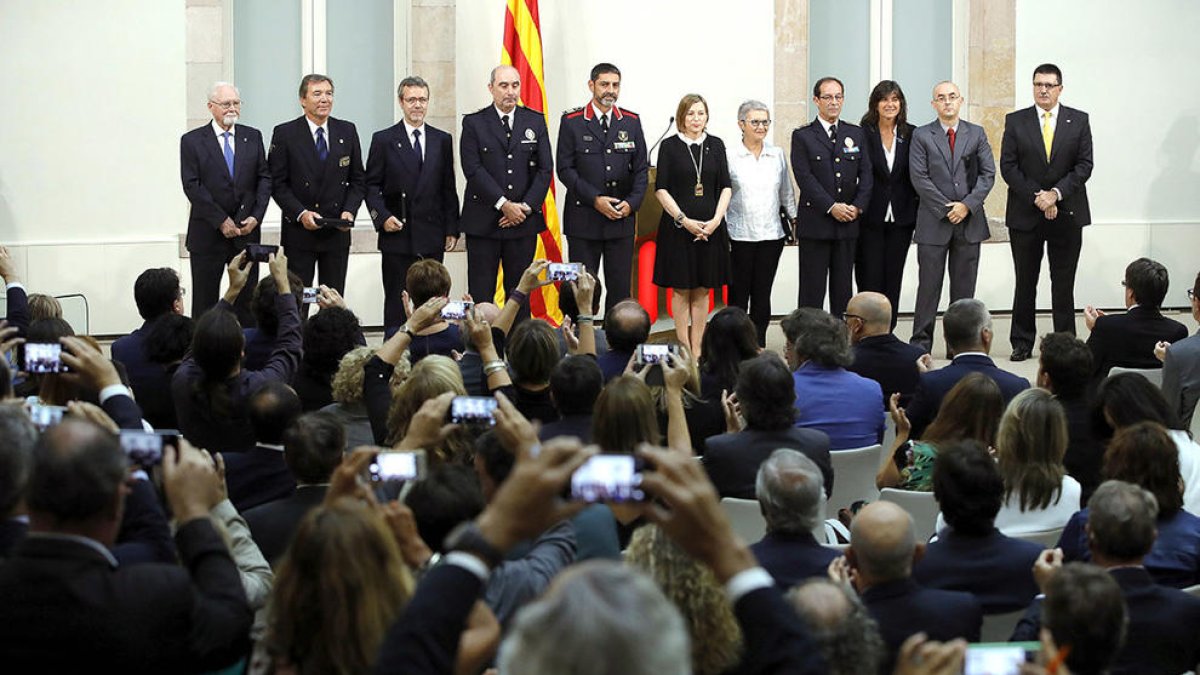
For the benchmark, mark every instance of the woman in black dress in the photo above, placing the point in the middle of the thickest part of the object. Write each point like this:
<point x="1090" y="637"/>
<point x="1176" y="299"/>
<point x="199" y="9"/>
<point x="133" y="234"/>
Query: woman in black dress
<point x="887" y="227"/>
<point x="693" y="245"/>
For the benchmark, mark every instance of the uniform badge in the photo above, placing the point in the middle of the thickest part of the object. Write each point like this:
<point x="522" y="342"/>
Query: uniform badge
<point x="345" y="161"/>
<point x="588" y="138"/>
<point x="622" y="135"/>
<point x="530" y="136"/>
<point x="849" y="142"/>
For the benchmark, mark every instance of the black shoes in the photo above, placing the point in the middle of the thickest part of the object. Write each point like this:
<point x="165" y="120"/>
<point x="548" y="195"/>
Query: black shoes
<point x="1020" y="354"/>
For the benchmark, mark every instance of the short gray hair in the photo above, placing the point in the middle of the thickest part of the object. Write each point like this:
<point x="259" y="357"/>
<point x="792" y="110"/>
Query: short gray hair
<point x="791" y="492"/>
<point x="749" y="105"/>
<point x="412" y="81"/>
<point x="964" y="321"/>
<point x="492" y="76"/>
<point x="816" y="335"/>
<point x="846" y="634"/>
<point x="597" y="618"/>
<point x="17" y="438"/>
<point x="212" y="91"/>
<point x="1121" y="520"/>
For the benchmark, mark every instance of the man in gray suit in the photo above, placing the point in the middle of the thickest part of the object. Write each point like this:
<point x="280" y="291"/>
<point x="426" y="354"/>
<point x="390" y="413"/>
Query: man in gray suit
<point x="1181" y="366"/>
<point x="952" y="171"/>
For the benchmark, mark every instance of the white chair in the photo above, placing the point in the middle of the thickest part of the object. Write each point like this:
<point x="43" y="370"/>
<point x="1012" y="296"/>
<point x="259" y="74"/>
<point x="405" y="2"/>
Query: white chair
<point x="746" y="518"/>
<point x="920" y="505"/>
<point x="853" y="477"/>
<point x="1196" y="423"/>
<point x="1193" y="590"/>
<point x="1047" y="538"/>
<point x="999" y="627"/>
<point x="1152" y="374"/>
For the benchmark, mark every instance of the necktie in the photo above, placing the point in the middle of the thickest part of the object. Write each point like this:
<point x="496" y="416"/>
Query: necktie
<point x="950" y="135"/>
<point x="417" y="146"/>
<point x="507" y="127"/>
<point x="1047" y="133"/>
<point x="322" y="147"/>
<point x="604" y="124"/>
<point x="833" y="133"/>
<point x="228" y="154"/>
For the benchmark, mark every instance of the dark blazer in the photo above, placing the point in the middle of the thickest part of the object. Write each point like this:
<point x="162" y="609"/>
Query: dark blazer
<point x="732" y="460"/>
<point x="273" y="524"/>
<point x="151" y="382"/>
<point x="889" y="361"/>
<point x="591" y="164"/>
<point x="1174" y="560"/>
<point x="301" y="182"/>
<point x="214" y="196"/>
<point x="902" y="608"/>
<point x="996" y="569"/>
<point x="257" y="476"/>
<point x="124" y="411"/>
<point x="828" y="173"/>
<point x="423" y="196"/>
<point x="612" y="363"/>
<point x="149" y="618"/>
<point x="793" y="558"/>
<point x="12" y="532"/>
<point x="579" y="426"/>
<point x="519" y="169"/>
<point x="1128" y="339"/>
<point x="939" y="177"/>
<point x="935" y="384"/>
<point x="17" y="301"/>
<point x="1085" y="454"/>
<point x="1025" y="168"/>
<point x="892" y="186"/>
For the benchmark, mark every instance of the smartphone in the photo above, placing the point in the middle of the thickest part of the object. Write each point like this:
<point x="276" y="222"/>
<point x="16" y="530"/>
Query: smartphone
<point x="654" y="354"/>
<point x="564" y="271"/>
<point x="608" y="478"/>
<point x="45" y="416"/>
<point x="457" y="309"/>
<point x="478" y="411"/>
<point x="145" y="448"/>
<point x="260" y="253"/>
<point x="44" y="357"/>
<point x="999" y="658"/>
<point x="393" y="465"/>
<point x="310" y="295"/>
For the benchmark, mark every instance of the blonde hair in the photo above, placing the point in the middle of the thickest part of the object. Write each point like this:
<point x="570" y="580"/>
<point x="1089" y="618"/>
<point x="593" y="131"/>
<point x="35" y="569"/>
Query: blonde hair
<point x="42" y="306"/>
<point x="685" y="104"/>
<point x="348" y="380"/>
<point x="1031" y="443"/>
<point x="431" y="377"/>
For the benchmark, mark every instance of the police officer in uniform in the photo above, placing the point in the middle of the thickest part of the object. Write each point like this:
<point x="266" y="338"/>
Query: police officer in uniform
<point x="506" y="159"/>
<point x="602" y="162"/>
<point x="833" y="170"/>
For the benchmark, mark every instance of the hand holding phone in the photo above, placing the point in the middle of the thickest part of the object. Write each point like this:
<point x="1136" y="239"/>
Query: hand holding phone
<point x="475" y="411"/>
<point x="457" y="310"/>
<point x="564" y="271"/>
<point x="44" y="357"/>
<point x="608" y="479"/>
<point x="145" y="448"/>
<point x="394" y="465"/>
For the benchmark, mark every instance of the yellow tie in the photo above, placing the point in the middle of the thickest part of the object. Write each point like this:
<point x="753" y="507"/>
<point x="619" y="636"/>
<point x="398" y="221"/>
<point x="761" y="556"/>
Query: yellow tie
<point x="1047" y="133"/>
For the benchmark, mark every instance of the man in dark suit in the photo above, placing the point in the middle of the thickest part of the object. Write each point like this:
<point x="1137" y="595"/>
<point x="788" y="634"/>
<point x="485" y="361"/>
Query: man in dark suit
<point x="16" y="298"/>
<point x="878" y="354"/>
<point x="790" y="492"/>
<point x="1128" y="340"/>
<point x="952" y="171"/>
<point x="575" y="384"/>
<point x="317" y="172"/>
<point x="225" y="177"/>
<point x="259" y="475"/>
<point x="411" y="194"/>
<point x="626" y="326"/>
<point x="833" y="170"/>
<point x="1046" y="158"/>
<point x="62" y="587"/>
<point x="156" y="294"/>
<point x="883" y="549"/>
<point x="602" y="162"/>
<point x="313" y="446"/>
<point x="17" y="438"/>
<point x="505" y="150"/>
<point x="967" y="326"/>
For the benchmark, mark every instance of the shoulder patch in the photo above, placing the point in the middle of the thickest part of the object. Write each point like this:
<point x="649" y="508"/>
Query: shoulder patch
<point x="573" y="112"/>
<point x="629" y="112"/>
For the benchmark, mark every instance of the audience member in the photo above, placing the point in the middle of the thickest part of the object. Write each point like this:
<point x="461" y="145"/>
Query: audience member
<point x="347" y="392"/>
<point x="1065" y="370"/>
<point x="17" y="310"/>
<point x="448" y="495"/>
<point x="532" y="352"/>
<point x="846" y="635"/>
<point x="575" y="384"/>
<point x="17" y="439"/>
<point x="970" y="554"/>
<point x="1038" y="493"/>
<point x="328" y="336"/>
<point x="63" y="588"/>
<point x="878" y="354"/>
<point x="427" y="279"/>
<point x="792" y="501"/>
<point x="679" y="393"/>
<point x="1181" y="366"/>
<point x="846" y="406"/>
<point x="157" y="295"/>
<point x="430" y="377"/>
<point x="971" y="410"/>
<point x="312" y="448"/>
<point x="1143" y="454"/>
<point x="626" y="326"/>
<point x="262" y="336"/>
<point x="571" y="314"/>
<point x="42" y="307"/>
<point x="210" y="386"/>
<point x="729" y="340"/>
<point x="967" y="327"/>
<point x="259" y="474"/>
<point x="692" y="588"/>
<point x="1128" y="340"/>
<point x="1084" y="616"/>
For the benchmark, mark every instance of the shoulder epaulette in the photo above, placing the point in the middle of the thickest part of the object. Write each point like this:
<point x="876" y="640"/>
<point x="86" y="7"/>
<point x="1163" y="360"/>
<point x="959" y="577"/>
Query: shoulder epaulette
<point x="629" y="112"/>
<point x="573" y="112"/>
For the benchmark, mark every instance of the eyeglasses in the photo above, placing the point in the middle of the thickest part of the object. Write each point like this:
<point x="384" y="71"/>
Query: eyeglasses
<point x="847" y="317"/>
<point x="947" y="98"/>
<point x="413" y="100"/>
<point x="1045" y="85"/>
<point x="227" y="105"/>
<point x="758" y="123"/>
<point x="831" y="97"/>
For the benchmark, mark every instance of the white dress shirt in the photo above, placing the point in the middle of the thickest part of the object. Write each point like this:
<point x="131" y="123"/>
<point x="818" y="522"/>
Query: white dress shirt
<point x="761" y="187"/>
<point x="410" y="129"/>
<point x="889" y="154"/>
<point x="221" y="138"/>
<point x="312" y="131"/>
<point x="1041" y="114"/>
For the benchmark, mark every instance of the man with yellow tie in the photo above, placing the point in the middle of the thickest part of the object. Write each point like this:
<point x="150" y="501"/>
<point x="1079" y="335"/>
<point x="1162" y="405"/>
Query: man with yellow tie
<point x="1046" y="158"/>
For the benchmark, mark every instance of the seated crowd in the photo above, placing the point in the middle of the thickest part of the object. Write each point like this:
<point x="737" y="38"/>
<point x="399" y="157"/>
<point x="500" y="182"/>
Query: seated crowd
<point x="269" y="536"/>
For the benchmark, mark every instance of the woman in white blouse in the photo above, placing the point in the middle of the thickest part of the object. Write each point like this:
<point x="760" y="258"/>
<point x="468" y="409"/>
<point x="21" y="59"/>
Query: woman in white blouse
<point x="762" y="193"/>
<point x="1038" y="493"/>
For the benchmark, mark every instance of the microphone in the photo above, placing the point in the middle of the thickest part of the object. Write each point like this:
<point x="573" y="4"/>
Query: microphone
<point x="660" y="138"/>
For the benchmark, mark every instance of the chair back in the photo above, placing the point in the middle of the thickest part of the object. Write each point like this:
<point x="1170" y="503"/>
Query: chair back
<point x="746" y="518"/>
<point x="1152" y="374"/>
<point x="853" y="477"/>
<point x="999" y="627"/>
<point x="1047" y="538"/>
<point x="920" y="505"/>
<point x="1193" y="590"/>
<point x="1196" y="422"/>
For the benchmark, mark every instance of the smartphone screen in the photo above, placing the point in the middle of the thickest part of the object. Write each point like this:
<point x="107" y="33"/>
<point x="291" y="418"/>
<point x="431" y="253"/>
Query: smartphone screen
<point x="44" y="357"/>
<point x="45" y="416"/>
<point x="999" y="658"/>
<point x="649" y="354"/>
<point x="260" y="252"/>
<point x="564" y="271"/>
<point x="145" y="448"/>
<point x="391" y="465"/>
<point x="310" y="295"/>
<point x="608" y="478"/>
<point x="457" y="309"/>
<point x="473" y="410"/>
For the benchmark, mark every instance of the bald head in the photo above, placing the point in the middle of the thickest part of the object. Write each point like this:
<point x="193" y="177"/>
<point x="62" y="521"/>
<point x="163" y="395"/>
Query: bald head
<point x="875" y="311"/>
<point x="820" y="602"/>
<point x="505" y="87"/>
<point x="77" y="473"/>
<point x="626" y="326"/>
<point x="845" y="632"/>
<point x="883" y="542"/>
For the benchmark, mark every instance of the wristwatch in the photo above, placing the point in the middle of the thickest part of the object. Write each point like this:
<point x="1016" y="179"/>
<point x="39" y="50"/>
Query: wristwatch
<point x="679" y="219"/>
<point x="468" y="539"/>
<point x="408" y="331"/>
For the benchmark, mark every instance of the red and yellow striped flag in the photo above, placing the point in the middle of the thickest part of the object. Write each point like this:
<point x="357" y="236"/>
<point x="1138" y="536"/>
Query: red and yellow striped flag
<point x="523" y="51"/>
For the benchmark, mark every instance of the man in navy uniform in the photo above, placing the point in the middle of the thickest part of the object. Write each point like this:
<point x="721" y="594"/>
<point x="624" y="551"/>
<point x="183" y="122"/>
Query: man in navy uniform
<point x="602" y="162"/>
<point x="411" y="195"/>
<point x="833" y="170"/>
<point x="225" y="177"/>
<point x="317" y="172"/>
<point x="506" y="159"/>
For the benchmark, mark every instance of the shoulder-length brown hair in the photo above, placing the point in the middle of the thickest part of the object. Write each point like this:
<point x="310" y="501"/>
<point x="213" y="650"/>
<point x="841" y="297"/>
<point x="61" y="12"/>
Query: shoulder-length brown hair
<point x="971" y="409"/>
<point x="1030" y="444"/>
<point x="624" y="416"/>
<point x="1145" y="454"/>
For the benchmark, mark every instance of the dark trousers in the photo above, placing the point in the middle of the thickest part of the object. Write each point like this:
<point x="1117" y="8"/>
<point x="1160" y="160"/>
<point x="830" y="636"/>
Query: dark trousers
<point x="486" y="256"/>
<point x="333" y="266"/>
<point x="1061" y="242"/>
<point x="822" y="259"/>
<point x="931" y="272"/>
<point x="879" y="260"/>
<point x="618" y="265"/>
<point x="754" y="264"/>
<point x="395" y="273"/>
<point x="207" y="269"/>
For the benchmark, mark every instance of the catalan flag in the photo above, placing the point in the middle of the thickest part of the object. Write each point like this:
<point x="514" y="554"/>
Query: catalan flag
<point x="523" y="51"/>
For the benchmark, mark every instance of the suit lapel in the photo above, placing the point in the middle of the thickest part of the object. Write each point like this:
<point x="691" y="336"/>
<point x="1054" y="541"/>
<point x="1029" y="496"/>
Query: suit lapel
<point x="307" y="148"/>
<point x="242" y="154"/>
<point x="430" y="165"/>
<point x="403" y="146"/>
<point x="1061" y="129"/>
<point x="212" y="146"/>
<point x="942" y="142"/>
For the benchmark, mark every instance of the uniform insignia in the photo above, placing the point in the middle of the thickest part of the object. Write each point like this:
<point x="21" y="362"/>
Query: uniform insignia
<point x="622" y="135"/>
<point x="573" y="110"/>
<point x="345" y="161"/>
<point x="529" y="135"/>
<point x="849" y="142"/>
<point x="588" y="138"/>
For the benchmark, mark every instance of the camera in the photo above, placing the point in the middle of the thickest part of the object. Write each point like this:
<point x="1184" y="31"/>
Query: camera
<point x="457" y="309"/>
<point x="478" y="411"/>
<point x="45" y="416"/>
<point x="393" y="465"/>
<point x="260" y="253"/>
<point x="145" y="448"/>
<point x="310" y="295"/>
<point x="608" y="478"/>
<point x="44" y="357"/>
<point x="564" y="271"/>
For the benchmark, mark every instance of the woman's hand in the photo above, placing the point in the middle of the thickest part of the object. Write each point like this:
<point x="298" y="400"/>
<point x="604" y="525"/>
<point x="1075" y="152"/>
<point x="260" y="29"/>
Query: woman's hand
<point x="899" y="418"/>
<point x="426" y="315"/>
